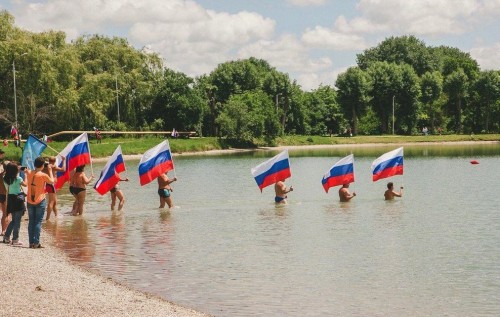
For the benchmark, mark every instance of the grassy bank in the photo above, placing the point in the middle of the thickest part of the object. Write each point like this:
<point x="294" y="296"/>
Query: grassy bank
<point x="140" y="145"/>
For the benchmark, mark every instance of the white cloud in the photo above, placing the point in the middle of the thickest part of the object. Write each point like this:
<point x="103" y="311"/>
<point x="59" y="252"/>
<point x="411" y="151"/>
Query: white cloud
<point x="322" y="37"/>
<point x="304" y="3"/>
<point x="488" y="57"/>
<point x="423" y="17"/>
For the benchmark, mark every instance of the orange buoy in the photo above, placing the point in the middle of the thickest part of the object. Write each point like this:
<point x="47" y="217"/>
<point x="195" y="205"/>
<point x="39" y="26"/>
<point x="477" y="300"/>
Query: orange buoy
<point x="474" y="162"/>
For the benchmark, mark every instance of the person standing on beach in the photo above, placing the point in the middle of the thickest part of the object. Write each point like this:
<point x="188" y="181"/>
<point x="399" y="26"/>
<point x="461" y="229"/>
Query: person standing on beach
<point x="281" y="192"/>
<point x="165" y="190"/>
<point x="344" y="193"/>
<point x="3" y="194"/>
<point x="390" y="193"/>
<point x="15" y="202"/>
<point x="50" y="188"/>
<point x="37" y="180"/>
<point x="78" y="187"/>
<point x="116" y="192"/>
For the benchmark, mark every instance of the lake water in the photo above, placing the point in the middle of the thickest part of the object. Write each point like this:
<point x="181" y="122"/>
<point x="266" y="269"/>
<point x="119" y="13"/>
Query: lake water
<point x="229" y="251"/>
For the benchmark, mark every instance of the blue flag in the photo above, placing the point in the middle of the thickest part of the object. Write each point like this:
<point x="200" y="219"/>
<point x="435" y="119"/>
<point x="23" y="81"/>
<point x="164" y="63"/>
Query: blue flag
<point x="33" y="148"/>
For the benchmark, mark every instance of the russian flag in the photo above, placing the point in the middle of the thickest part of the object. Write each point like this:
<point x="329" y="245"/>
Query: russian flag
<point x="273" y="170"/>
<point x="155" y="162"/>
<point x="341" y="173"/>
<point x="77" y="153"/>
<point x="387" y="165"/>
<point x="110" y="174"/>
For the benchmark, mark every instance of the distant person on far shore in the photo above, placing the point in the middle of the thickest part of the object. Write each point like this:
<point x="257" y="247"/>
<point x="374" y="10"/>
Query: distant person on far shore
<point x="116" y="192"/>
<point x="165" y="190"/>
<point x="344" y="193"/>
<point x="281" y="192"/>
<point x="390" y="193"/>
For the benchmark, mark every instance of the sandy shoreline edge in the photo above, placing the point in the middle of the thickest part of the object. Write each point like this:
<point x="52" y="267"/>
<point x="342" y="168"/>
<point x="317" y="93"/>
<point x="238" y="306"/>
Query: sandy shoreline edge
<point x="43" y="282"/>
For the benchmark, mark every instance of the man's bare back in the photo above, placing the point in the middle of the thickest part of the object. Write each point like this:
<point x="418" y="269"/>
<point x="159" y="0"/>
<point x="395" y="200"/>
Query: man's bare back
<point x="344" y="194"/>
<point x="280" y="190"/>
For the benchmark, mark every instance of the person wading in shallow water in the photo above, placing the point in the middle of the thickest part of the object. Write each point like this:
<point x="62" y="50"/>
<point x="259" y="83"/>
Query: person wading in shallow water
<point x="165" y="190"/>
<point x="281" y="192"/>
<point x="50" y="188"/>
<point x="77" y="188"/>
<point x="344" y="194"/>
<point x="390" y="193"/>
<point x="116" y="192"/>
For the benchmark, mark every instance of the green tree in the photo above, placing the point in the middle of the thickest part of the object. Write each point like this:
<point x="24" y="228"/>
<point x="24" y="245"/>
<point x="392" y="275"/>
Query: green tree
<point x="400" y="50"/>
<point x="353" y="88"/>
<point x="486" y="99"/>
<point x="247" y="116"/>
<point x="456" y="87"/>
<point x="431" y="86"/>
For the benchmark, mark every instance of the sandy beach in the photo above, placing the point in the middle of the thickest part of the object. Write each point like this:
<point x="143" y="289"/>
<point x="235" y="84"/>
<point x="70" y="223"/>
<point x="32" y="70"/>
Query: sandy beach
<point x="42" y="282"/>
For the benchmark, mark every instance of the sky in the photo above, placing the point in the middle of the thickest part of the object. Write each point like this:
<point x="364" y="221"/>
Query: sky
<point x="311" y="40"/>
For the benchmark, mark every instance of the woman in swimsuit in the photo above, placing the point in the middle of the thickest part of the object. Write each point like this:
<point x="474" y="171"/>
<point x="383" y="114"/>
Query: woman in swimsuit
<point x="78" y="188"/>
<point x="117" y="193"/>
<point x="50" y="188"/>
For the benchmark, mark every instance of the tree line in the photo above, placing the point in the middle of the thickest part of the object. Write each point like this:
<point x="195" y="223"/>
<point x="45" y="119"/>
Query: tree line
<point x="98" y="81"/>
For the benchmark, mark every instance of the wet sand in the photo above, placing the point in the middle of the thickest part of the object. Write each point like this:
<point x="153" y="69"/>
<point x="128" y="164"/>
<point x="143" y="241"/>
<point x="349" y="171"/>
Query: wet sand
<point x="43" y="282"/>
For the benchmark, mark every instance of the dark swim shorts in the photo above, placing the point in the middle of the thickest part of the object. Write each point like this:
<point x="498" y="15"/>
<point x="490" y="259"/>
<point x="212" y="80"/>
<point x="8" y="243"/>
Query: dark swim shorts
<point x="165" y="193"/>
<point x="278" y="199"/>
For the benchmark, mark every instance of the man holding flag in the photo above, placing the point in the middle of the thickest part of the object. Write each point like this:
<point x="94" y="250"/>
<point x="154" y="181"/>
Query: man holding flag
<point x="341" y="173"/>
<point x="110" y="177"/>
<point x="388" y="165"/>
<point x="154" y="164"/>
<point x="274" y="171"/>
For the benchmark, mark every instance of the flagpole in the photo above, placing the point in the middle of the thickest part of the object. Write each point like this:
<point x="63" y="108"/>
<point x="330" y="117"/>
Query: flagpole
<point x="91" y="165"/>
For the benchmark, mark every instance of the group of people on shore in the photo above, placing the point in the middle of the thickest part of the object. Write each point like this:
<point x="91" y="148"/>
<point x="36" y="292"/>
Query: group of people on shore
<point x="14" y="202"/>
<point x="281" y="191"/>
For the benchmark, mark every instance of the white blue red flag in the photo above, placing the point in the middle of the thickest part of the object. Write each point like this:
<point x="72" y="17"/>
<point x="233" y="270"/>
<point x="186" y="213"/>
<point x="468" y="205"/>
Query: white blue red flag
<point x="110" y="175"/>
<point x="154" y="162"/>
<point x="341" y="173"/>
<point x="273" y="170"/>
<point x="387" y="165"/>
<point x="33" y="148"/>
<point x="77" y="153"/>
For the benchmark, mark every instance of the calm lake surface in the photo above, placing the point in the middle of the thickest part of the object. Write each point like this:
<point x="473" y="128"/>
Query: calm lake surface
<point x="229" y="251"/>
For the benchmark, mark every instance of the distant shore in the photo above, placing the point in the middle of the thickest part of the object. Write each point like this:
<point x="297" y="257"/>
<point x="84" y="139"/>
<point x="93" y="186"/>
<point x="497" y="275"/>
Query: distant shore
<point x="307" y="147"/>
<point x="43" y="282"/>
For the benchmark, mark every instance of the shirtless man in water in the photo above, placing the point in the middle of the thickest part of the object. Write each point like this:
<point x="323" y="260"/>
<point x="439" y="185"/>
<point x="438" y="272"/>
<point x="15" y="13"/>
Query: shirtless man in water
<point x="281" y="191"/>
<point x="390" y="193"/>
<point x="164" y="190"/>
<point x="344" y="194"/>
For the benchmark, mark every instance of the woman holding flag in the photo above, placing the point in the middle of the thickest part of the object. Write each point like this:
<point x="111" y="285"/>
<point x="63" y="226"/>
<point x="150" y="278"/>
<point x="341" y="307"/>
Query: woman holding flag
<point x="51" y="188"/>
<point x="116" y="192"/>
<point x="78" y="187"/>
